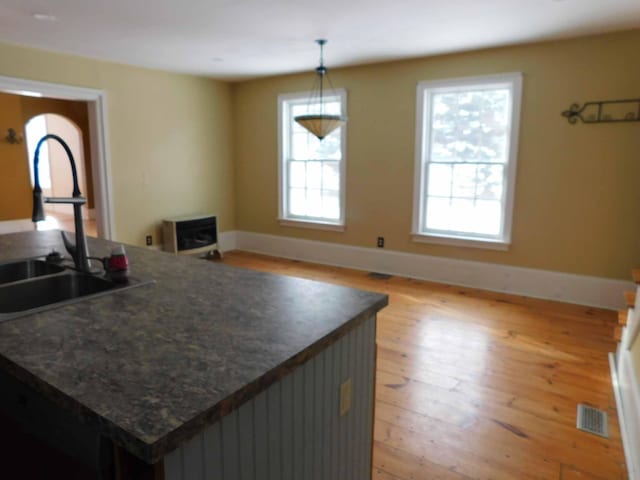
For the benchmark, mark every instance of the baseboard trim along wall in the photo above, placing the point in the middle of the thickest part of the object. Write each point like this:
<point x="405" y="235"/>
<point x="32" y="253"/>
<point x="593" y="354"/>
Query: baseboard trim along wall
<point x="624" y="379"/>
<point x="564" y="287"/>
<point x="20" y="225"/>
<point x="227" y="241"/>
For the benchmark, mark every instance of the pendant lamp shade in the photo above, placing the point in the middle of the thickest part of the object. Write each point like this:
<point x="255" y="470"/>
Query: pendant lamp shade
<point x="320" y="124"/>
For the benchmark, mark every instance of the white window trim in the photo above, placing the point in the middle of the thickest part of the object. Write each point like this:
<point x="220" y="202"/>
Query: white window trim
<point x="420" y="180"/>
<point x="285" y="222"/>
<point x="460" y="241"/>
<point x="306" y="222"/>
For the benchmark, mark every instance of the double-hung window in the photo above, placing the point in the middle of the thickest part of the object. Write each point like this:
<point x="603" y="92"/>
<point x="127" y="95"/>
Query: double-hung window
<point x="311" y="172"/>
<point x="467" y="132"/>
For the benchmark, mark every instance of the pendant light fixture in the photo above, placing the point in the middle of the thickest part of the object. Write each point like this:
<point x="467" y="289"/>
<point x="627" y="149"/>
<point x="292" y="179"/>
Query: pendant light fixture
<point x="320" y="124"/>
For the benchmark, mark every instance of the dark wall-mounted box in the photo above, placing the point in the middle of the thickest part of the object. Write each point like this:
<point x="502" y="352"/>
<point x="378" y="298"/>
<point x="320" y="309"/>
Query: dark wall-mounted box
<point x="190" y="235"/>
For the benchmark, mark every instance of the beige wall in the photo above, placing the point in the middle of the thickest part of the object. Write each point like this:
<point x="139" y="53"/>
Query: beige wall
<point x="577" y="196"/>
<point x="169" y="137"/>
<point x="15" y="183"/>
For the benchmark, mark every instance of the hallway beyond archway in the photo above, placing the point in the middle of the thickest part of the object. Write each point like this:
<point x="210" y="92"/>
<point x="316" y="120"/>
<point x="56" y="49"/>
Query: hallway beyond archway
<point x="54" y="171"/>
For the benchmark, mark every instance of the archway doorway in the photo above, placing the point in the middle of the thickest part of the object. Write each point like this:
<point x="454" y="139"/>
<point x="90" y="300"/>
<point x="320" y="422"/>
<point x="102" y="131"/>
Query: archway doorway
<point x="54" y="171"/>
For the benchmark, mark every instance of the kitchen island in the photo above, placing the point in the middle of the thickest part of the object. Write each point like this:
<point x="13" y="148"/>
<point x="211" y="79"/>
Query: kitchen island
<point x="210" y="372"/>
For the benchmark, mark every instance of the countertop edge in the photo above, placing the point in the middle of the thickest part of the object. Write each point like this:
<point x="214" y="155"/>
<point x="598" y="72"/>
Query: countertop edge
<point x="72" y="406"/>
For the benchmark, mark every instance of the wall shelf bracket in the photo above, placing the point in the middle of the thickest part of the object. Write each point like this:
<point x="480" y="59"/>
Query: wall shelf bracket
<point x="608" y="111"/>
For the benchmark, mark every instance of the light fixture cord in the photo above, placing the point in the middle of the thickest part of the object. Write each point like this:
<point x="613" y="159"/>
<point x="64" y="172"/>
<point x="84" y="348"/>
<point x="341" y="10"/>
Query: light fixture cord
<point x="321" y="71"/>
<point x="321" y="76"/>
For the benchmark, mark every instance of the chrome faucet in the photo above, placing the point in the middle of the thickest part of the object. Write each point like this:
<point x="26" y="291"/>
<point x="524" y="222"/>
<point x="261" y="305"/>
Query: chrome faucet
<point x="79" y="251"/>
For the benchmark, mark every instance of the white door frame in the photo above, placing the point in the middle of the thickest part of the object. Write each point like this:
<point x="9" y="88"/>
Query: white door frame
<point x="98" y="130"/>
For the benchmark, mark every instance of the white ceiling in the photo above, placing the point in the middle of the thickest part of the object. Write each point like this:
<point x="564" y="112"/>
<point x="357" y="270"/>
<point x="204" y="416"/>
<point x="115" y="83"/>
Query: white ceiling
<point x="236" y="39"/>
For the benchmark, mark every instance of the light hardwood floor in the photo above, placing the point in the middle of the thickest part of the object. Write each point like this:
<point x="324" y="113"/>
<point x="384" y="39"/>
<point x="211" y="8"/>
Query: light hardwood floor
<point x="482" y="385"/>
<point x="63" y="221"/>
<point x="66" y="223"/>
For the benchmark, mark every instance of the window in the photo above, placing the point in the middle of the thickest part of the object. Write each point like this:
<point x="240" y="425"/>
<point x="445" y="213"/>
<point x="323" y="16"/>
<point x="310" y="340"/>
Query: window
<point x="311" y="172"/>
<point x="467" y="131"/>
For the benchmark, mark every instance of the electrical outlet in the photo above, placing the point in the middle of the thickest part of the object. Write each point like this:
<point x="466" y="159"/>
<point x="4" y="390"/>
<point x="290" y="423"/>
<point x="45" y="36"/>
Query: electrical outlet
<point x="149" y="240"/>
<point x="380" y="242"/>
<point x="346" y="392"/>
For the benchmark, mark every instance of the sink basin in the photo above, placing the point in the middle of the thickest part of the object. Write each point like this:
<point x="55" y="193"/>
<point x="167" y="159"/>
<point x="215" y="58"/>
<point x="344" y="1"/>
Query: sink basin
<point x="46" y="292"/>
<point x="24" y="269"/>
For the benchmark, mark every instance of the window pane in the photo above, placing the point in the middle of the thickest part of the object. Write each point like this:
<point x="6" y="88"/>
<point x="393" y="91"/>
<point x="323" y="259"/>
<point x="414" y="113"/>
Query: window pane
<point x="297" y="174"/>
<point x="464" y="181"/>
<point x="329" y="148"/>
<point x="303" y="146"/>
<point x="314" y="203"/>
<point x="314" y="175"/>
<point x="440" y="180"/>
<point x="488" y="217"/>
<point x="331" y="205"/>
<point x="465" y="216"/>
<point x="331" y="175"/>
<point x="297" y="201"/>
<point x="470" y="126"/>
<point x="437" y="214"/>
<point x="490" y="182"/>
<point x="330" y="107"/>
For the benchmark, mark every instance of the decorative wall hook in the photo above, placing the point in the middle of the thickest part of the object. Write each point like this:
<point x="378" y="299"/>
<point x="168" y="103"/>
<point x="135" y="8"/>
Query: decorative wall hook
<point x="13" y="137"/>
<point x="605" y="111"/>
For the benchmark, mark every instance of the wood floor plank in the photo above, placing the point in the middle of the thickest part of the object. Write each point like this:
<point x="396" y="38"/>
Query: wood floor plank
<point x="617" y="333"/>
<point x="630" y="299"/>
<point x="495" y="464"/>
<point x="379" y="474"/>
<point x="409" y="466"/>
<point x="623" y="316"/>
<point x="482" y="385"/>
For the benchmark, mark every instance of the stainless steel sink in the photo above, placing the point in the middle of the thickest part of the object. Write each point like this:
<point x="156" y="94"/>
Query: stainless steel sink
<point x="25" y="269"/>
<point x="59" y="287"/>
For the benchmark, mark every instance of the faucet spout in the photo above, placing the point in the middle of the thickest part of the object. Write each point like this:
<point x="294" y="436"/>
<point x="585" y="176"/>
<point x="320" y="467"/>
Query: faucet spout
<point x="79" y="252"/>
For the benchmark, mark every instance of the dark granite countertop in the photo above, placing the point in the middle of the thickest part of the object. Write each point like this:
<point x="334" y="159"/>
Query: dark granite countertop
<point x="154" y="365"/>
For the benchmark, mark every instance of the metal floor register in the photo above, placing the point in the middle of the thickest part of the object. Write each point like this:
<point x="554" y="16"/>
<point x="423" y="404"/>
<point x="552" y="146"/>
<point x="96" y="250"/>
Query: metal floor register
<point x="593" y="420"/>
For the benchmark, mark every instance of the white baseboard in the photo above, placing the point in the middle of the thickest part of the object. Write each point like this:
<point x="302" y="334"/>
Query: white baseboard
<point x="20" y="225"/>
<point x="626" y="388"/>
<point x="564" y="287"/>
<point x="227" y="241"/>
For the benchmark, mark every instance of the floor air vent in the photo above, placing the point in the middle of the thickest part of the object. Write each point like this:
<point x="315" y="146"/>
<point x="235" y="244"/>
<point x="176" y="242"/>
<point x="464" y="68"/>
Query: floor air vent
<point x="592" y="420"/>
<point x="379" y="276"/>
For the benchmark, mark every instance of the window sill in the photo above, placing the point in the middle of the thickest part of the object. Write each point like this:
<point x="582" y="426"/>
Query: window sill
<point x="461" y="242"/>
<point x="312" y="225"/>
